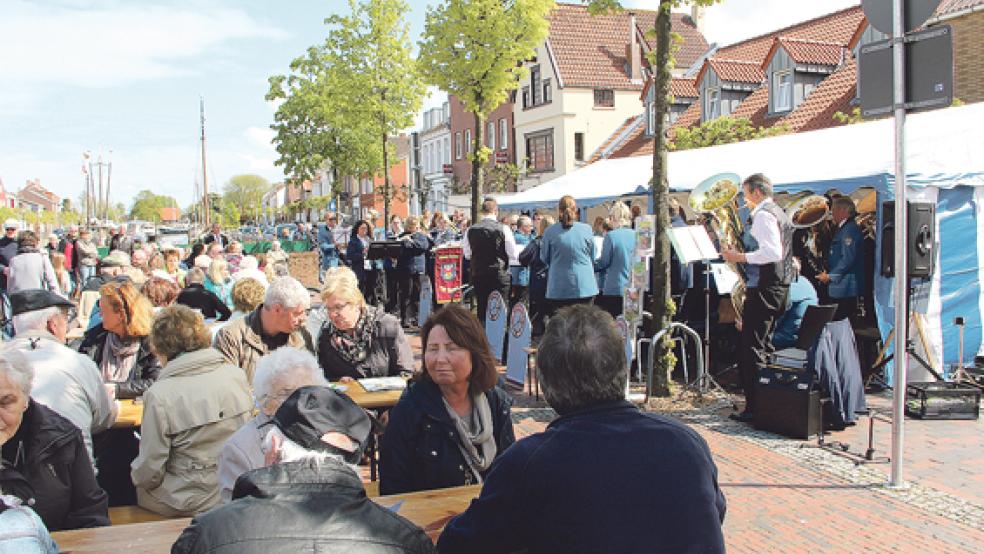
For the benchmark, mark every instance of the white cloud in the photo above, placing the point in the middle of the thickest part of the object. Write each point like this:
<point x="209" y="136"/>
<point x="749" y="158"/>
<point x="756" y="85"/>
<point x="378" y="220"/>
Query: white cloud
<point x="737" y="20"/>
<point x="114" y="43"/>
<point x="261" y="136"/>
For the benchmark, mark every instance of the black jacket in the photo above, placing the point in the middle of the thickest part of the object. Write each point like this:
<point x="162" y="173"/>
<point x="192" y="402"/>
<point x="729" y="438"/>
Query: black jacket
<point x="419" y="450"/>
<point x="197" y="297"/>
<point x="300" y="507"/>
<point x="8" y="249"/>
<point x="389" y="352"/>
<point x="530" y="257"/>
<point x="412" y="253"/>
<point x="54" y="475"/>
<point x="488" y="251"/>
<point x="210" y="238"/>
<point x="143" y="374"/>
<point x="606" y="478"/>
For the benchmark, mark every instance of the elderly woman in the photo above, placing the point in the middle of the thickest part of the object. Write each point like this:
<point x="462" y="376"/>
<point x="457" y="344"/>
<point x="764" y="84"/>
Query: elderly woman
<point x="450" y="424"/>
<point x="568" y="249"/>
<point x="172" y="265"/>
<point x="616" y="259"/>
<point x="198" y="402"/>
<point x="160" y="291"/>
<point x="218" y="280"/>
<point x="358" y="340"/>
<point x="118" y="344"/>
<point x="276" y="254"/>
<point x="45" y="462"/>
<point x="249" y="269"/>
<point x="278" y="374"/>
<point x="30" y="268"/>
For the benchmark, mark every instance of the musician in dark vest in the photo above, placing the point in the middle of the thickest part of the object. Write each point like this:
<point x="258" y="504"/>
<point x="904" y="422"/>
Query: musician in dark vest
<point x="489" y="245"/>
<point x="769" y="271"/>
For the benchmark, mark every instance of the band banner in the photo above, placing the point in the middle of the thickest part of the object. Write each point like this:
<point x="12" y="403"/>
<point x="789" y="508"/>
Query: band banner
<point x="447" y="273"/>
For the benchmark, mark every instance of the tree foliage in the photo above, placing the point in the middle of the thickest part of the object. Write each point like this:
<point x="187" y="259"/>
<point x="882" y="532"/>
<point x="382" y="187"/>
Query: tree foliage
<point x="147" y="206"/>
<point x="723" y="130"/>
<point x="474" y="49"/>
<point x="246" y="193"/>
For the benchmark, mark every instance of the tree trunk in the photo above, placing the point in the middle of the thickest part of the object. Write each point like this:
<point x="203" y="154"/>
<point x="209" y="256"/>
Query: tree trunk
<point x="477" y="178"/>
<point x="660" y="306"/>
<point x="386" y="183"/>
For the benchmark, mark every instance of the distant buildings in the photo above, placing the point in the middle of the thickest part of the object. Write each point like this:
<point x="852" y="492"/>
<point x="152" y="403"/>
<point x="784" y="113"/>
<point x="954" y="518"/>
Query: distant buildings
<point x="38" y="199"/>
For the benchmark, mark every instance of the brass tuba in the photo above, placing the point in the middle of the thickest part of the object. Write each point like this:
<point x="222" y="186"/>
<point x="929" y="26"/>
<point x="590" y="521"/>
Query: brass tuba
<point x="807" y="211"/>
<point x="717" y="196"/>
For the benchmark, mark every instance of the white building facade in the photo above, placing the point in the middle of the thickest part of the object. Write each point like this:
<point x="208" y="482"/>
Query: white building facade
<point x="435" y="158"/>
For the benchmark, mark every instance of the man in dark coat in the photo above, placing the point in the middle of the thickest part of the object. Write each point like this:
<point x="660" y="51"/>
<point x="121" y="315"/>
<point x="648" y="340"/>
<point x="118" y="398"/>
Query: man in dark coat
<point x="603" y="477"/>
<point x="121" y="242"/>
<point x="488" y="246"/>
<point x="8" y="248"/>
<point x="197" y="297"/>
<point x="410" y="266"/>
<point x="311" y="498"/>
<point x="215" y="235"/>
<point x="845" y="278"/>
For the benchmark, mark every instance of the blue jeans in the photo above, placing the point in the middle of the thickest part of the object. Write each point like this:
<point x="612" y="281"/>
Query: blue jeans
<point x="86" y="272"/>
<point x="329" y="257"/>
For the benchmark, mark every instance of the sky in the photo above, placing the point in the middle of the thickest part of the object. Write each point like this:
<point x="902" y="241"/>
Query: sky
<point x="123" y="78"/>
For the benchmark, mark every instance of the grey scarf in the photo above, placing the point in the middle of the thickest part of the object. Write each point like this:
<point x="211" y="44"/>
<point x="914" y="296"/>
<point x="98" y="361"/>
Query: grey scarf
<point x="118" y="358"/>
<point x="476" y="444"/>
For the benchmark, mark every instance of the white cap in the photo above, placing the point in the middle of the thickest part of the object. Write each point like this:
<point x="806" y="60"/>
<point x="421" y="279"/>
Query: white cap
<point x="11" y="223"/>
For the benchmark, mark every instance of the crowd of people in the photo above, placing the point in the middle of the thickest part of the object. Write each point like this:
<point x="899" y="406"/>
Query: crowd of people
<point x="241" y="429"/>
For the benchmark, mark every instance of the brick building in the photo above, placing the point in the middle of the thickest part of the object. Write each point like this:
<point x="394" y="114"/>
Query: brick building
<point x="498" y="136"/>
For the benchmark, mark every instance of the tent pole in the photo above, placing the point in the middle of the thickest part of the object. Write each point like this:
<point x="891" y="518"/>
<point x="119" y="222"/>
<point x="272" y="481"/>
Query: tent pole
<point x="901" y="248"/>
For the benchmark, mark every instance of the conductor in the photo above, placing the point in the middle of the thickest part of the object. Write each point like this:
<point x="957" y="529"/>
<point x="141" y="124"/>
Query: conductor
<point x="769" y="269"/>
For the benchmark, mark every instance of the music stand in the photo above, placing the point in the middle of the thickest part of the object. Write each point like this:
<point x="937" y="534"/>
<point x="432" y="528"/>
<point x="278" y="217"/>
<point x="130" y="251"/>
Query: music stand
<point x="382" y="249"/>
<point x="693" y="244"/>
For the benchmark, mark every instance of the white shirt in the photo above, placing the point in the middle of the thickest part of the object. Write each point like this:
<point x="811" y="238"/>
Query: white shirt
<point x="765" y="231"/>
<point x="510" y="243"/>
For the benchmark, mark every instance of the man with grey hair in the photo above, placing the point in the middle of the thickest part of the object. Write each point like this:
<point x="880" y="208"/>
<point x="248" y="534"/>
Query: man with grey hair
<point x="768" y="271"/>
<point x="278" y="374"/>
<point x="310" y="497"/>
<point x="604" y="476"/>
<point x="67" y="382"/>
<point x="278" y="321"/>
<point x="845" y="279"/>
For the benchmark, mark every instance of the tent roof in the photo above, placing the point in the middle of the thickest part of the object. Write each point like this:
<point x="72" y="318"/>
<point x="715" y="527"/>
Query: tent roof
<point x="940" y="142"/>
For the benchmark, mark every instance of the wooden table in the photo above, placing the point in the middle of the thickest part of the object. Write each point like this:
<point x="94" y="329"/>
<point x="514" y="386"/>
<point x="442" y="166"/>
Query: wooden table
<point x="130" y="414"/>
<point x="431" y="510"/>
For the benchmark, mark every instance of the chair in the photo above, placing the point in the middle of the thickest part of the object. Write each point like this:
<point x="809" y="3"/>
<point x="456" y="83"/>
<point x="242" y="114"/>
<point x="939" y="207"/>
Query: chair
<point x="814" y="320"/>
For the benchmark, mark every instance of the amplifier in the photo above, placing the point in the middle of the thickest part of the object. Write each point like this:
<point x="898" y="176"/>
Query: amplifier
<point x="788" y="403"/>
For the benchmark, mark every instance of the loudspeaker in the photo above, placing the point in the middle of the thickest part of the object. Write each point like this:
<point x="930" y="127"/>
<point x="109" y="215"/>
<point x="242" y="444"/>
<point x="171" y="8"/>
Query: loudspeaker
<point x="788" y="403"/>
<point x="920" y="239"/>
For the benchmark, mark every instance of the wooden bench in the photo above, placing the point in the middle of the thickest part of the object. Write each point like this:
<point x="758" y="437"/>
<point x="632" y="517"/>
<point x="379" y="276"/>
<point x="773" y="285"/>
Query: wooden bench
<point x="122" y="515"/>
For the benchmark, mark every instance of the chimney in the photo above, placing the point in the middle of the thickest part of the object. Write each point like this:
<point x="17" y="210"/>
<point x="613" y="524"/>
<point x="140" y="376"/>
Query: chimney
<point x="634" y="53"/>
<point x="697" y="16"/>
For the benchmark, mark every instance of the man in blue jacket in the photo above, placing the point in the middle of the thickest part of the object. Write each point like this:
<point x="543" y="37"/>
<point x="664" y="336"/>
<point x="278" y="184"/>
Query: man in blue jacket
<point x="326" y="242"/>
<point x="802" y="295"/>
<point x="603" y="477"/>
<point x="846" y="274"/>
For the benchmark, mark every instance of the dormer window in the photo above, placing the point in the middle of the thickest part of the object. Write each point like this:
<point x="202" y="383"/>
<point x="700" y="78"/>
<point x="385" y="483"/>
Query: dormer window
<point x="782" y="91"/>
<point x="712" y="104"/>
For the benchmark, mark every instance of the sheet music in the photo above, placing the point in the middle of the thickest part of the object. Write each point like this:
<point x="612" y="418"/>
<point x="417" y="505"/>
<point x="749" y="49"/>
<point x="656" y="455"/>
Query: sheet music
<point x="692" y="244"/>
<point x="724" y="277"/>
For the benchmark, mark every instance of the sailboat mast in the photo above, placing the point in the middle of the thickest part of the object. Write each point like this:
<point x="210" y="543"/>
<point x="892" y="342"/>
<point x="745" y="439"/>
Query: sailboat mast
<point x="204" y="167"/>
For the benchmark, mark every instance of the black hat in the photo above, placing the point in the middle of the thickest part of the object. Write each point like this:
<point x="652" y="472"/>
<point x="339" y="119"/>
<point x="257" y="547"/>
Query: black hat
<point x="31" y="300"/>
<point x="310" y="412"/>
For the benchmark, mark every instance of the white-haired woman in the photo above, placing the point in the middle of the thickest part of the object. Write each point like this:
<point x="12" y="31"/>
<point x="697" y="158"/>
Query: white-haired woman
<point x="45" y="463"/>
<point x="218" y="280"/>
<point x="276" y="254"/>
<point x="359" y="340"/>
<point x="249" y="269"/>
<point x="616" y="258"/>
<point x="278" y="374"/>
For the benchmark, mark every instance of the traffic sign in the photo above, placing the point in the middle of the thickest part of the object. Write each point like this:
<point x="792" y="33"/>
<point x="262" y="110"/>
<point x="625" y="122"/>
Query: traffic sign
<point x="928" y="72"/>
<point x="916" y="12"/>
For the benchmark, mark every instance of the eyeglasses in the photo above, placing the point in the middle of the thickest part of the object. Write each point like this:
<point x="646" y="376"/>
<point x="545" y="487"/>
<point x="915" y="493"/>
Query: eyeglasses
<point x="333" y="310"/>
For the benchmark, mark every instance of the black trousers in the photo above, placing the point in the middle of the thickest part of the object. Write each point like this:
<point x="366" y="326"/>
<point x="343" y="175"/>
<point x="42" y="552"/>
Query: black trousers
<point x="392" y="290"/>
<point x="409" y="292"/>
<point x="763" y="306"/>
<point x="847" y="308"/>
<point x="483" y="286"/>
<point x="610" y="303"/>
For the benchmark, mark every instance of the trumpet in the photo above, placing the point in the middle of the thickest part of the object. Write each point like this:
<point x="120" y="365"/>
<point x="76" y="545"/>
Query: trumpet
<point x="717" y="196"/>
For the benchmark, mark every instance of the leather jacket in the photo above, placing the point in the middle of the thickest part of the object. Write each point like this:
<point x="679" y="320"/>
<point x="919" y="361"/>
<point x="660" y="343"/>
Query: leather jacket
<point x="144" y="371"/>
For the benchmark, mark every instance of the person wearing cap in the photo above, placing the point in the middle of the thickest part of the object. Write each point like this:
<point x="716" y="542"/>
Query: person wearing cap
<point x="278" y="374"/>
<point x="64" y="380"/>
<point x="604" y="476"/>
<point x="453" y="421"/>
<point x="8" y="248"/>
<point x="198" y="401"/>
<point x="310" y="496"/>
<point x="279" y="321"/>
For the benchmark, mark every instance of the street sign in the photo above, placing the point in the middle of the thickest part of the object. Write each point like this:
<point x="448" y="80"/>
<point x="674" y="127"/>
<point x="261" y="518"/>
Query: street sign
<point x="447" y="169"/>
<point x="916" y="12"/>
<point x="928" y="72"/>
<point x="501" y="156"/>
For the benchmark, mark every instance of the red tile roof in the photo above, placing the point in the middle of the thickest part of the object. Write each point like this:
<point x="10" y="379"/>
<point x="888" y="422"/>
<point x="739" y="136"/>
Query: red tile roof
<point x="833" y="94"/>
<point x="808" y="51"/>
<point x="948" y="7"/>
<point x="638" y="144"/>
<point x="837" y="27"/>
<point x="755" y="107"/>
<point x="590" y="50"/>
<point x="615" y="136"/>
<point x="734" y="70"/>
<point x="683" y="88"/>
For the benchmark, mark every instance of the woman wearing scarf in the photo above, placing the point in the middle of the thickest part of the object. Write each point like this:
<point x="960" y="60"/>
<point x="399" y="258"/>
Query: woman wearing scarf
<point x="453" y="421"/>
<point x="358" y="340"/>
<point x="118" y="345"/>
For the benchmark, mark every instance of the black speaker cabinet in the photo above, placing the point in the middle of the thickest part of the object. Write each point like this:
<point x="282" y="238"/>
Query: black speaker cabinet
<point x="920" y="238"/>
<point x="788" y="403"/>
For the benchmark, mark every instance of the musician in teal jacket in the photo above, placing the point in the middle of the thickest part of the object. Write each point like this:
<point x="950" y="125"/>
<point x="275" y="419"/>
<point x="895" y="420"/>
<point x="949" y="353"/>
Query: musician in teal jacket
<point x="568" y="249"/>
<point x="846" y="274"/>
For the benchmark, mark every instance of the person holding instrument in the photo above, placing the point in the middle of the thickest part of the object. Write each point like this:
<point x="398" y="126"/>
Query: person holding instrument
<point x="769" y="271"/>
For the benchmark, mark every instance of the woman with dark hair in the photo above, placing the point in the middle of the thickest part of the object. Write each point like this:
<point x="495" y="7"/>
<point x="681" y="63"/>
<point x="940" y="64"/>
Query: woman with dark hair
<point x="453" y="421"/>
<point x="197" y="249"/>
<point x="365" y="270"/>
<point x="568" y="249"/>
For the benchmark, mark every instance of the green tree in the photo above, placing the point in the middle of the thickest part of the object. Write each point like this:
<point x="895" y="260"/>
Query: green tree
<point x="723" y="130"/>
<point x="661" y="59"/>
<point x="474" y="49"/>
<point x="147" y="206"/>
<point x="246" y="193"/>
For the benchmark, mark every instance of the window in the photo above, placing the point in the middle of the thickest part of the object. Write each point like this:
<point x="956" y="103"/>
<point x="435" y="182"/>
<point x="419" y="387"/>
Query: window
<point x="468" y="141"/>
<point x="651" y="119"/>
<point x="782" y="91"/>
<point x="579" y="147"/>
<point x="535" y="85"/>
<point x="503" y="134"/>
<point x="490" y="132"/>
<point x="604" y="98"/>
<point x="447" y="151"/>
<point x="540" y="151"/>
<point x="547" y="92"/>
<point x="457" y="146"/>
<point x="712" y="108"/>
<point x="526" y="98"/>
